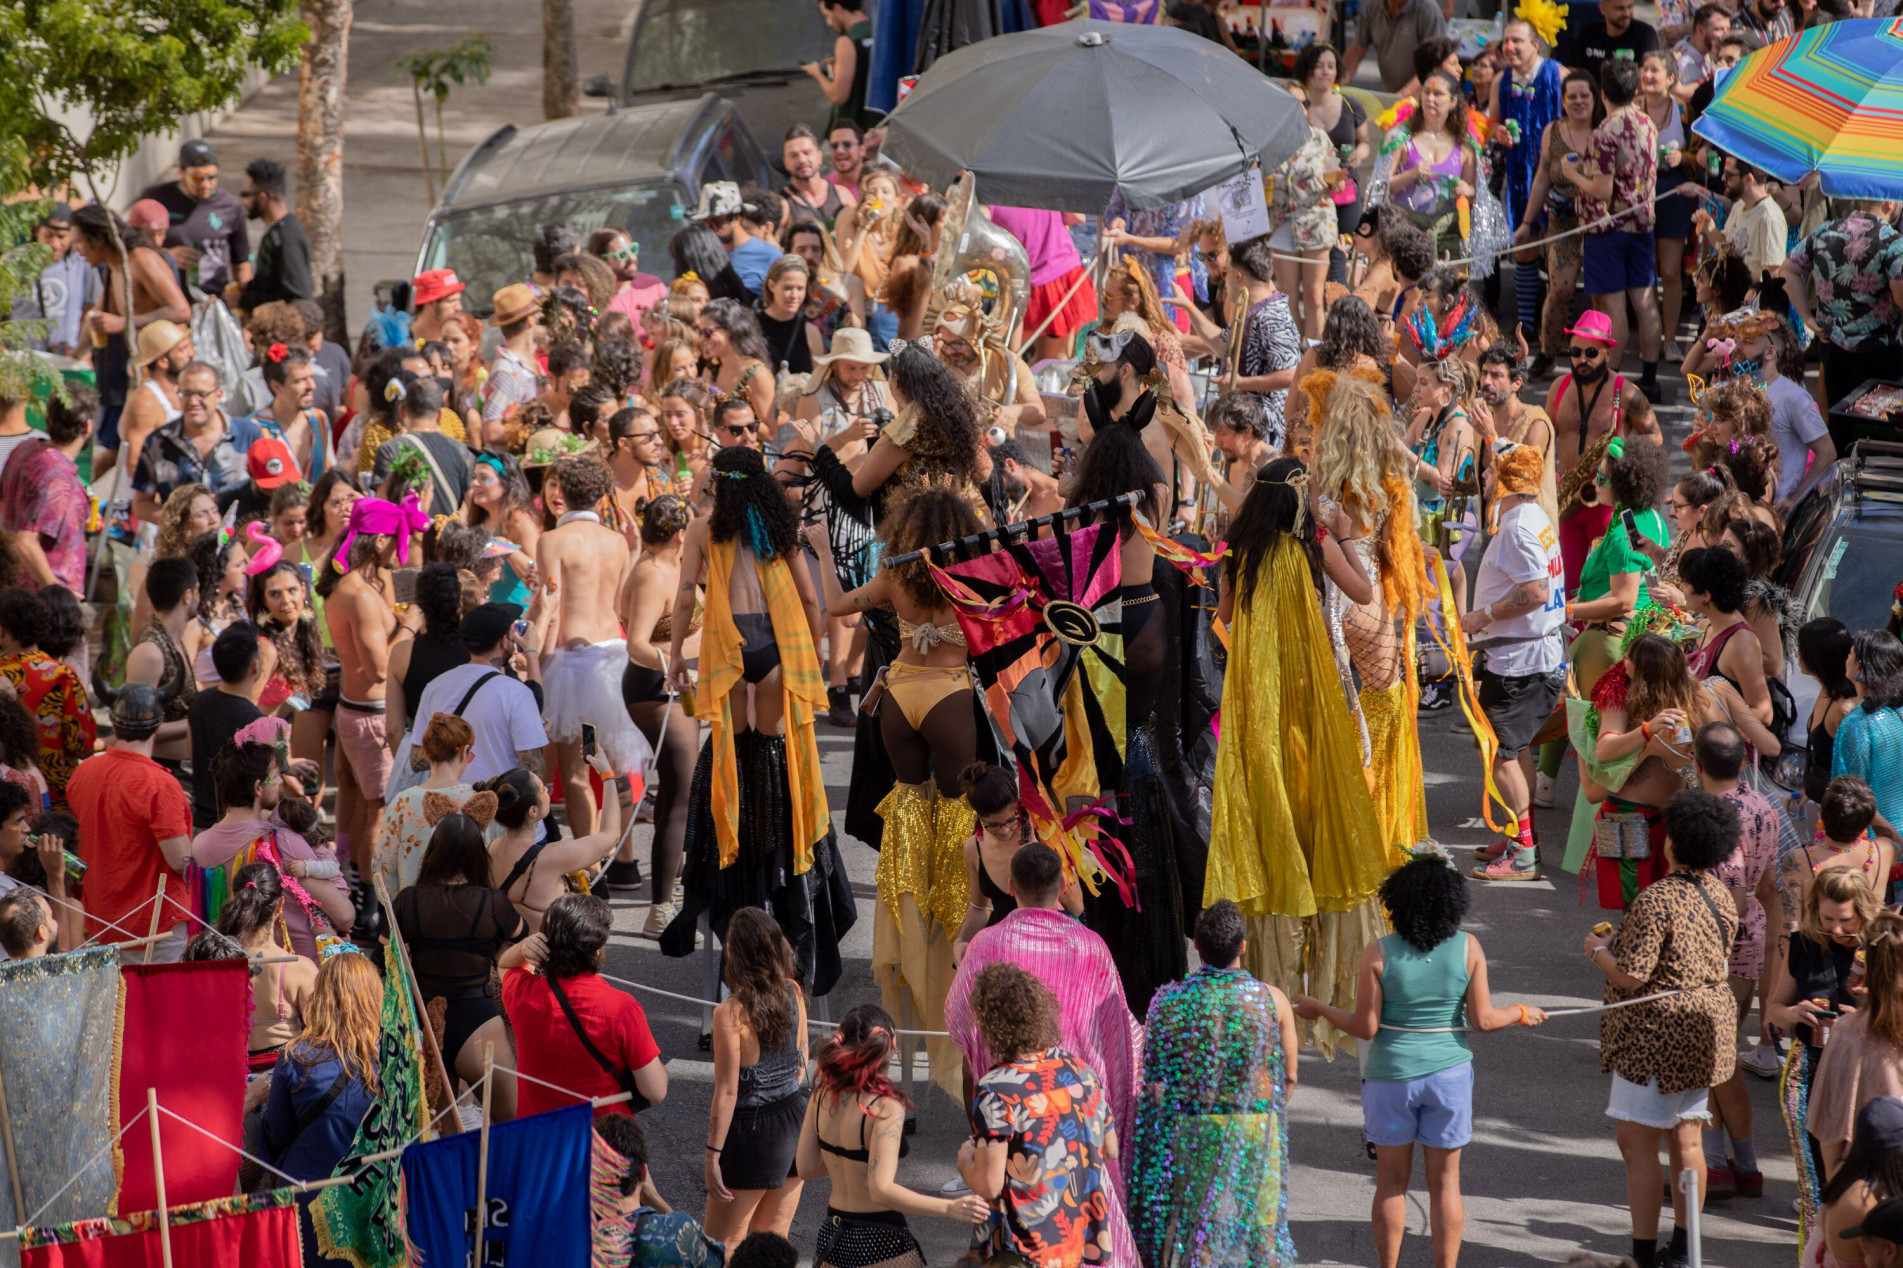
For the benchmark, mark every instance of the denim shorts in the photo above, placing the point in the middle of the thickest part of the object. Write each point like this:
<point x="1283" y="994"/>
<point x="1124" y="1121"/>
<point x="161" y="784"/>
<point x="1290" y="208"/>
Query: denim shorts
<point x="1645" y="1105"/>
<point x="1436" y="1110"/>
<point x="1619" y="261"/>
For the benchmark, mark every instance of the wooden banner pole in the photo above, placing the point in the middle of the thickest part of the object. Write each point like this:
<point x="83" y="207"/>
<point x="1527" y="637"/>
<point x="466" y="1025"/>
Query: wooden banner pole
<point x="416" y="998"/>
<point x="482" y="1152"/>
<point x="158" y="1173"/>
<point x="152" y="933"/>
<point x="13" y="1163"/>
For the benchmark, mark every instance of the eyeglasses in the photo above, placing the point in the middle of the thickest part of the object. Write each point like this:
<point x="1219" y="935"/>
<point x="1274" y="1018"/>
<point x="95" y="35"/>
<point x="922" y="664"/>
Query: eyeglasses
<point x="197" y="394"/>
<point x="1014" y="826"/>
<point x="645" y="435"/>
<point x="1588" y="353"/>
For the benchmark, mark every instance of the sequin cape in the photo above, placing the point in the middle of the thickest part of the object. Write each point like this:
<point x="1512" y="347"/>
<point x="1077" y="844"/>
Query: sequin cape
<point x="1208" y="1170"/>
<point x="1096" y="1025"/>
<point x="1293" y="838"/>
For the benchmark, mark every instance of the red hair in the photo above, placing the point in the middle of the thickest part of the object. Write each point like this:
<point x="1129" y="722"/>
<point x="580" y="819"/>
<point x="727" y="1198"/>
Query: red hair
<point x="854" y="1061"/>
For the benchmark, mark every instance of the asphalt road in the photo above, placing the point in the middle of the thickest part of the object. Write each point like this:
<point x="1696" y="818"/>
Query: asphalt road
<point x="1542" y="1177"/>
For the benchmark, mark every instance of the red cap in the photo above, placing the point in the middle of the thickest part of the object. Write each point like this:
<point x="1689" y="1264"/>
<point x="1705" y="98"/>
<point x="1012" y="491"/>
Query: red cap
<point x="270" y="462"/>
<point x="148" y="213"/>
<point x="434" y="285"/>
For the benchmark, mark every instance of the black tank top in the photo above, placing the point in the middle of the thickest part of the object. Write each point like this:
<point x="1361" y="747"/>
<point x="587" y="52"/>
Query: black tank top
<point x="430" y="658"/>
<point x="1002" y="903"/>
<point x="786" y="342"/>
<point x="1817" y="768"/>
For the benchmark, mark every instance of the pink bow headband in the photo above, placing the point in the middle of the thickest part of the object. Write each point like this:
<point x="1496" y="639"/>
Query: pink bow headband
<point x="266" y="549"/>
<point x="383" y="518"/>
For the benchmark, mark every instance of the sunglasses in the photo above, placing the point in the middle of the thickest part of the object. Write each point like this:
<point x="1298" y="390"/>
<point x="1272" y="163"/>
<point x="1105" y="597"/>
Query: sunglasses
<point x="630" y="252"/>
<point x="705" y="332"/>
<point x="645" y="435"/>
<point x="841" y="145"/>
<point x="736" y="431"/>
<point x="1589" y="353"/>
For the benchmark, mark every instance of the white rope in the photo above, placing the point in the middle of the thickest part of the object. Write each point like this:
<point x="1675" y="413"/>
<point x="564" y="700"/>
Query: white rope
<point x="704" y="1003"/>
<point x="1551" y="1012"/>
<point x="596" y="1101"/>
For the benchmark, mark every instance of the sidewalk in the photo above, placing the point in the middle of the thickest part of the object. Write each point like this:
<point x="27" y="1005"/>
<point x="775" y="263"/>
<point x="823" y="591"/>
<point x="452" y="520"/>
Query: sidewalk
<point x="384" y="197"/>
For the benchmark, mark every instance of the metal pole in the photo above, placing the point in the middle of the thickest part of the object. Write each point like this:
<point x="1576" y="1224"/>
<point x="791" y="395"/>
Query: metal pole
<point x="158" y="1174"/>
<point x="1688" y="1187"/>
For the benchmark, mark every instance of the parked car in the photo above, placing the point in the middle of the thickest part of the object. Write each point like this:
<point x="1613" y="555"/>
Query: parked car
<point x="638" y="169"/>
<point x="1843" y="550"/>
<point x="750" y="51"/>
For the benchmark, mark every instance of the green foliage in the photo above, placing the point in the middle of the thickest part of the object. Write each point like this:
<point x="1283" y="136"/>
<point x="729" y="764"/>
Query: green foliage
<point x="22" y="375"/>
<point x="433" y="71"/>
<point x="127" y="69"/>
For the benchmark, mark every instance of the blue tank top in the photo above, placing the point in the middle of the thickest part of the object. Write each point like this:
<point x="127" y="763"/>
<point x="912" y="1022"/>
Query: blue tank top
<point x="1420" y="988"/>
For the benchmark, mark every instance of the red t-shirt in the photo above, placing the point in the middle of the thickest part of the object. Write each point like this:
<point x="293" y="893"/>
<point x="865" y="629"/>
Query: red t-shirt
<point x="547" y="1048"/>
<point x="126" y="803"/>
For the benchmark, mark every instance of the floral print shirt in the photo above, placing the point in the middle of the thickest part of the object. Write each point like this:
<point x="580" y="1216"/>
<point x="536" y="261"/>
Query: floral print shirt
<point x="41" y="494"/>
<point x="1298" y="194"/>
<point x="1627" y="145"/>
<point x="1051" y="1112"/>
<point x="1852" y="262"/>
<point x="50" y="690"/>
<point x="1755" y="855"/>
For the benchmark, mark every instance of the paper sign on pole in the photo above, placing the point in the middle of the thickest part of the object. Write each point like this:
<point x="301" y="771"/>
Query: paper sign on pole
<point x="1245" y="211"/>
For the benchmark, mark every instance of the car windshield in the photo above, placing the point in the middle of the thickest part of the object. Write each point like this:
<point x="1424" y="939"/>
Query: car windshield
<point x="489" y="246"/>
<point x="687" y="42"/>
<point x="1859" y="572"/>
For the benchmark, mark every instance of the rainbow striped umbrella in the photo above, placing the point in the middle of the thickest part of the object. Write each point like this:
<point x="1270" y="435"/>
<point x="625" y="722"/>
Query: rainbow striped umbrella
<point x="1828" y="100"/>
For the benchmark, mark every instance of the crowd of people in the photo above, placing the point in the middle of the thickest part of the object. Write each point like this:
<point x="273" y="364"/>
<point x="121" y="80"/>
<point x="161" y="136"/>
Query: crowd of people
<point x="400" y="642"/>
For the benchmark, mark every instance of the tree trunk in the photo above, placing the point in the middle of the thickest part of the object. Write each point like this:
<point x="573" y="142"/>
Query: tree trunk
<point x="320" y="153"/>
<point x="422" y="141"/>
<point x="561" y="91"/>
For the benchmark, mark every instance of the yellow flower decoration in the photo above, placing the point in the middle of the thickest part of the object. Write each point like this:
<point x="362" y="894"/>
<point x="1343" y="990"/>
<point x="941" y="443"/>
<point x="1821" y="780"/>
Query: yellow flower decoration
<point x="1545" y="17"/>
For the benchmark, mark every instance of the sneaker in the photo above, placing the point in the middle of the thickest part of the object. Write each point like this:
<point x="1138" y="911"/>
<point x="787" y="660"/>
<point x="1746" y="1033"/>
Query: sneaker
<point x="644" y="813"/>
<point x="1488" y="853"/>
<point x="954" y="1188"/>
<point x="1653" y="391"/>
<point x="1722" y="1183"/>
<point x="1750" y="1183"/>
<point x="1543" y="790"/>
<point x="839" y="707"/>
<point x="1541" y="367"/>
<point x="660" y="916"/>
<point x="1436" y="696"/>
<point x="1762" y="1061"/>
<point x="623" y="877"/>
<point x="1523" y="865"/>
<point x="1667" y="1259"/>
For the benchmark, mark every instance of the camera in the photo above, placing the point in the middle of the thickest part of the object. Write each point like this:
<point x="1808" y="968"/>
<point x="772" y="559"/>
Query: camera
<point x="880" y="418"/>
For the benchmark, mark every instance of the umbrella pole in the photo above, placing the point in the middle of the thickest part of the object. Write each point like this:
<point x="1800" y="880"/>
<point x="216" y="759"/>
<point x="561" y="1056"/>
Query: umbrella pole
<point x="1042" y="326"/>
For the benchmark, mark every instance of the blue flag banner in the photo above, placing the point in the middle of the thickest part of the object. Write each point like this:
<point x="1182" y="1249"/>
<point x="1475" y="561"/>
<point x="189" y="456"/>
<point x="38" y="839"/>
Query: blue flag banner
<point x="537" y="1195"/>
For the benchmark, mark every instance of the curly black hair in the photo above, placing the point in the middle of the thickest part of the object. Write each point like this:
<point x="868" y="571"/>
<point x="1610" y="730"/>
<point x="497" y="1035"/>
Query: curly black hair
<point x="1016" y="1013"/>
<point x="22" y="616"/>
<point x="918" y="522"/>
<point x="1639" y="478"/>
<point x="945" y="405"/>
<point x="1220" y="933"/>
<point x="300" y="650"/>
<point x="583" y="479"/>
<point x="618" y="367"/>
<point x="1408" y="247"/>
<point x="1238" y="411"/>
<point x="439" y="596"/>
<point x="1701" y="828"/>
<point x="1116" y="462"/>
<point x="749" y="504"/>
<point x="209" y="555"/>
<point x="1426" y="901"/>
<point x="1269" y="512"/>
<point x="663" y="519"/>
<point x="65" y="626"/>
<point x="1714" y="571"/>
<point x="1349" y="330"/>
<point x="20" y="732"/>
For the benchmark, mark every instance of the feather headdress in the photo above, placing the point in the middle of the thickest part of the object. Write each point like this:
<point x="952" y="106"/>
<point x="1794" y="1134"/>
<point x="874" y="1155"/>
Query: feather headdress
<point x="1438" y="340"/>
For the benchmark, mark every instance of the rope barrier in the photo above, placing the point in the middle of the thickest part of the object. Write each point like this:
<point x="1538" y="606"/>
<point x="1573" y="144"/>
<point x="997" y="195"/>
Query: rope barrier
<point x="705" y="1003"/>
<point x="1550" y="1014"/>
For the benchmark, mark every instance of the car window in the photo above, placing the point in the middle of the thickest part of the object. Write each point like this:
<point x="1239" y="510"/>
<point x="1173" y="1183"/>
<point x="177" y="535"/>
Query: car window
<point x="1857" y="572"/>
<point x="489" y="246"/>
<point x="686" y="43"/>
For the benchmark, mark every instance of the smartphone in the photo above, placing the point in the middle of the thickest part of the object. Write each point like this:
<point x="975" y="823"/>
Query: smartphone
<point x="587" y="740"/>
<point x="1631" y="529"/>
<point x="404" y="581"/>
<point x="298" y="702"/>
<point x="521" y="631"/>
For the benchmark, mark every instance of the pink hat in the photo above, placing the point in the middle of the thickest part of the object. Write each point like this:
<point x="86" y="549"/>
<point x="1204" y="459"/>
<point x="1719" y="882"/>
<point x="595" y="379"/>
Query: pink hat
<point x="148" y="213"/>
<point x="1596" y="326"/>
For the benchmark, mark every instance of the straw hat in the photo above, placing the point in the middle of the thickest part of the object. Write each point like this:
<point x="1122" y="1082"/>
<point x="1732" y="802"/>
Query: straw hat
<point x="514" y="303"/>
<point x="156" y="338"/>
<point x="853" y="344"/>
<point x="549" y="445"/>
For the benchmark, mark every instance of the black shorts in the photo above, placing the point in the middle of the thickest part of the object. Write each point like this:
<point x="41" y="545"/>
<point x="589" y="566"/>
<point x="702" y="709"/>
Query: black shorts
<point x="325" y="701"/>
<point x="1519" y="704"/>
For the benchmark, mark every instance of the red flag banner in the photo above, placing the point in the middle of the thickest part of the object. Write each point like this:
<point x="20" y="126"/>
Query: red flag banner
<point x="259" y="1231"/>
<point x="182" y="1030"/>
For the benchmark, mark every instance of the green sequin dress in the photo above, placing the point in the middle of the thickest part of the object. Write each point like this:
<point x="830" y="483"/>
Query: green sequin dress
<point x="1207" y="1179"/>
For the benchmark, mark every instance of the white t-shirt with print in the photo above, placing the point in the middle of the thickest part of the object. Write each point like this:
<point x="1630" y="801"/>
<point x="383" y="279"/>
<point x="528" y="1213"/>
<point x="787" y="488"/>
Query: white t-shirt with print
<point x="1525" y="548"/>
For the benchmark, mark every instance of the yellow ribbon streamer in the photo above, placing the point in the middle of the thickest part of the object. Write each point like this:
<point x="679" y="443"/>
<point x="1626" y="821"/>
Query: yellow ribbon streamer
<point x="1461" y="659"/>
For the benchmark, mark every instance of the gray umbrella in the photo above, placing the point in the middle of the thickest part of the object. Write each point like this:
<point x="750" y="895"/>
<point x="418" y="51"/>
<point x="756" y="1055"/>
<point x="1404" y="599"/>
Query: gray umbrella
<point x="1063" y="116"/>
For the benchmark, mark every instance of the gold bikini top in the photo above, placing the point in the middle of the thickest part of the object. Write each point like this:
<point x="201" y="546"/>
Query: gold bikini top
<point x="925" y="637"/>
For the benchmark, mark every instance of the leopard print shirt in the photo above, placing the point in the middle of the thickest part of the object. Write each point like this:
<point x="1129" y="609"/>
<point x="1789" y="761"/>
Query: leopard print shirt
<point x="1670" y="940"/>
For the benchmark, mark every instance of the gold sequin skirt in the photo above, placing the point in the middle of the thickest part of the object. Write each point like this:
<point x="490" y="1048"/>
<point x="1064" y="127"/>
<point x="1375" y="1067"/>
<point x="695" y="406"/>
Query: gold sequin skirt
<point x="1316" y="955"/>
<point x="923" y="892"/>
<point x="1400" y="796"/>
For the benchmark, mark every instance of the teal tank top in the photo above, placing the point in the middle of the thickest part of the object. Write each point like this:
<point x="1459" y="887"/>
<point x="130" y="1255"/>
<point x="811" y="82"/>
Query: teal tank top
<point x="1420" y="988"/>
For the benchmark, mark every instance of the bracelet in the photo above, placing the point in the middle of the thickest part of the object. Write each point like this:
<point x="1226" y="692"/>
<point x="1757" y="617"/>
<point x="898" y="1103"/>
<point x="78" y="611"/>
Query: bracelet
<point x="1645" y="729"/>
<point x="1522" y="1008"/>
<point x="713" y="1149"/>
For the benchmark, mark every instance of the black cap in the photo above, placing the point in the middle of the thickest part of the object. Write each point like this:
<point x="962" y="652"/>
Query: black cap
<point x="1884" y="1220"/>
<point x="58" y="214"/>
<point x="138" y="711"/>
<point x="197" y="152"/>
<point x="487" y="624"/>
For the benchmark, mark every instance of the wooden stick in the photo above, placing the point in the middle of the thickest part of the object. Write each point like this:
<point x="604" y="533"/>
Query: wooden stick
<point x="13" y="1163"/>
<point x="482" y="1151"/>
<point x="152" y="937"/>
<point x="158" y="1172"/>
<point x="416" y="998"/>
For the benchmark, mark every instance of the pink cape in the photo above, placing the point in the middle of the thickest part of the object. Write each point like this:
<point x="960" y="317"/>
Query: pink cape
<point x="1096" y="1024"/>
